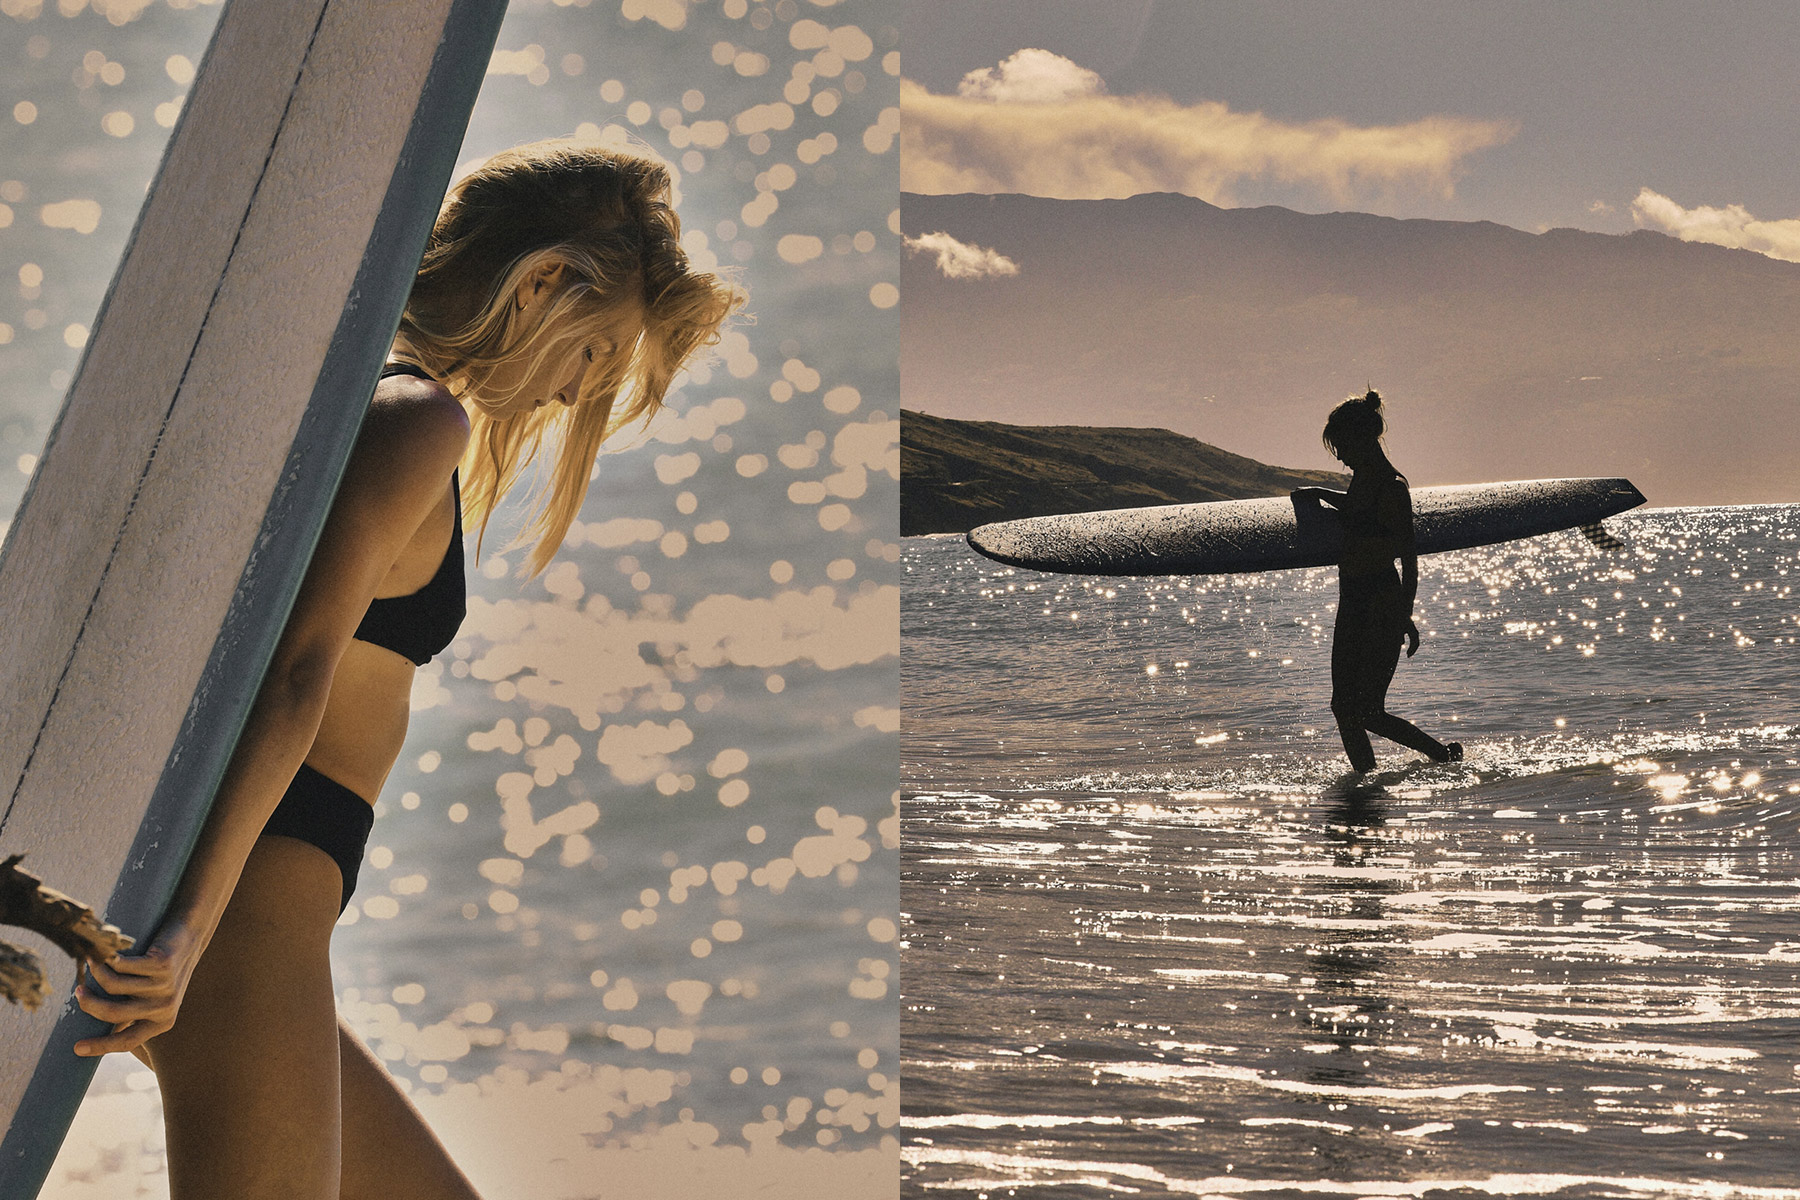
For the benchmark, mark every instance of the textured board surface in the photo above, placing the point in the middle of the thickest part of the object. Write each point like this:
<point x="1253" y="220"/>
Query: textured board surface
<point x="157" y="552"/>
<point x="1278" y="533"/>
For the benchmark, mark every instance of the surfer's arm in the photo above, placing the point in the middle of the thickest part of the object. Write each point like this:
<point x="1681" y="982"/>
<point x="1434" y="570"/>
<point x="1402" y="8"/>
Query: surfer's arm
<point x="1320" y="495"/>
<point x="396" y="476"/>
<point x="1394" y="508"/>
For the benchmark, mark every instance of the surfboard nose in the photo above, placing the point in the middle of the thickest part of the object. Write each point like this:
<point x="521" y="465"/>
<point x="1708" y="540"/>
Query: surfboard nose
<point x="992" y="541"/>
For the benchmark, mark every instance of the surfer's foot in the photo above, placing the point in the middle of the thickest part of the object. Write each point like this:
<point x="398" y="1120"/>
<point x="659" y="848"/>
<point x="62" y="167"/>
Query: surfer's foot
<point x="1453" y="753"/>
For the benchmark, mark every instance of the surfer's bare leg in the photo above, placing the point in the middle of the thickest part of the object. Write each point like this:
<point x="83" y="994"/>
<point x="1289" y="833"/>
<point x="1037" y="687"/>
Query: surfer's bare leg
<point x="1358" y="684"/>
<point x="1399" y="729"/>
<point x="265" y="1093"/>
<point x="1365" y="650"/>
<point x="389" y="1151"/>
<point x="1356" y="740"/>
<point x="1359" y="715"/>
<point x="249" y="1074"/>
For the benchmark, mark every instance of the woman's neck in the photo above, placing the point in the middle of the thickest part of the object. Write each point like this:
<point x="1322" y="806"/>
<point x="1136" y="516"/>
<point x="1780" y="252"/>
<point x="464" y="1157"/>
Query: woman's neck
<point x="445" y="372"/>
<point x="1375" y="464"/>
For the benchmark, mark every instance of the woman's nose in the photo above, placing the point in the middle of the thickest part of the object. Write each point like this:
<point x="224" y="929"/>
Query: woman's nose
<point x="570" y="392"/>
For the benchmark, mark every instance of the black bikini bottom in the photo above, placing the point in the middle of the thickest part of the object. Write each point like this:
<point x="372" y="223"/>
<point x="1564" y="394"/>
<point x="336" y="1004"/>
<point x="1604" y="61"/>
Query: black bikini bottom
<point x="324" y="813"/>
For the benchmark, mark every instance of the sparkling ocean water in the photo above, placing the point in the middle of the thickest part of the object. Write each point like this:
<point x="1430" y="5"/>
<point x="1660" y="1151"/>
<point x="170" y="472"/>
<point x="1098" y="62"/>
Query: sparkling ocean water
<point x="1154" y="943"/>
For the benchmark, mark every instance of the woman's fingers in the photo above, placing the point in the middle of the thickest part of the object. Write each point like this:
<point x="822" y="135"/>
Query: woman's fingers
<point x="153" y="963"/>
<point x="132" y="1024"/>
<point x="138" y="995"/>
<point x="118" y="982"/>
<point x="123" y="1039"/>
<point x="137" y="1005"/>
<point x="119" y="1009"/>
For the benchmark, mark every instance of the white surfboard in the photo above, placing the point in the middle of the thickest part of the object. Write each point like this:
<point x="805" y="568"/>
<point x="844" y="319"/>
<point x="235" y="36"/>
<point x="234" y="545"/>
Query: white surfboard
<point x="1231" y="536"/>
<point x="153" y="561"/>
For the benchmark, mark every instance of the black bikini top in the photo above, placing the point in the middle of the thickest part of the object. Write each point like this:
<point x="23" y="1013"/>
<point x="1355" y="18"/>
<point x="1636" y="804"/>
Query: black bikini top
<point x="420" y="624"/>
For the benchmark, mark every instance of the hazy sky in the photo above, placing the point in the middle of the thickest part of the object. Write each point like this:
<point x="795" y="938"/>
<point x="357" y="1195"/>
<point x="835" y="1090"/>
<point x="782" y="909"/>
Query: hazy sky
<point x="1604" y="116"/>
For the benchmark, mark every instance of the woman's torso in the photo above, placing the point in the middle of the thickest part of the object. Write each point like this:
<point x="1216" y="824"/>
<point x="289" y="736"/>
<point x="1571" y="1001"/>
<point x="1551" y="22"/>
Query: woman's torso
<point x="366" y="716"/>
<point x="1371" y="543"/>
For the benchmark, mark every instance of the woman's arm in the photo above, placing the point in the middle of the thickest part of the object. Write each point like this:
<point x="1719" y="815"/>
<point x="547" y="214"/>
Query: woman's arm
<point x="1395" y="511"/>
<point x="411" y="440"/>
<point x="1320" y="495"/>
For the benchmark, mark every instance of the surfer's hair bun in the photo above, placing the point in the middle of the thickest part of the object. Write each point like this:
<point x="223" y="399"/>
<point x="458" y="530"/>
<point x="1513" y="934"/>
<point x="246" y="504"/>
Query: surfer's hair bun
<point x="1354" y="420"/>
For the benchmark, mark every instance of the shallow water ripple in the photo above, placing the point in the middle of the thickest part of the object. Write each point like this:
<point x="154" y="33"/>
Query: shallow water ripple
<point x="1569" y="966"/>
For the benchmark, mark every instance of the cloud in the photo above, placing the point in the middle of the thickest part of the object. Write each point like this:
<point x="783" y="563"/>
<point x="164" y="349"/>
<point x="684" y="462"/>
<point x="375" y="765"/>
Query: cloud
<point x="1031" y="77"/>
<point x="1731" y="226"/>
<point x="1042" y="125"/>
<point x="959" y="260"/>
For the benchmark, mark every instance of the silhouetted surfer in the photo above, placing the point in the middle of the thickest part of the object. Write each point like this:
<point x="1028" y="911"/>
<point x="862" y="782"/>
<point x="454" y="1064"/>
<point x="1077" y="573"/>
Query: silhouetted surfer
<point x="1374" y="614"/>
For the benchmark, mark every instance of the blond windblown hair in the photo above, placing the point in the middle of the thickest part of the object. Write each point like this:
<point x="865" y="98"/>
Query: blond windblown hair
<point x="605" y="218"/>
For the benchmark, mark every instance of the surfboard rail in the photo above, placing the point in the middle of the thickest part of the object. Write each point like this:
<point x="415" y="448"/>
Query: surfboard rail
<point x="1279" y="532"/>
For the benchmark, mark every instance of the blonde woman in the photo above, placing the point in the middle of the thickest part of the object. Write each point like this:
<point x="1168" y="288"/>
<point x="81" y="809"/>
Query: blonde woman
<point x="553" y="305"/>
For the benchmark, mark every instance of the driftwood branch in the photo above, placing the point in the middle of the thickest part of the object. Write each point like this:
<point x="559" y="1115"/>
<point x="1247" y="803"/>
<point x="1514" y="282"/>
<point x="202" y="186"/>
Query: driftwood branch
<point x="64" y="921"/>
<point x="22" y="976"/>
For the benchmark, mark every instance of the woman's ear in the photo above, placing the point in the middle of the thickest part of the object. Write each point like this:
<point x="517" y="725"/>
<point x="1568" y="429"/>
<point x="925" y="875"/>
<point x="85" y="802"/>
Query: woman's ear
<point x="533" y="289"/>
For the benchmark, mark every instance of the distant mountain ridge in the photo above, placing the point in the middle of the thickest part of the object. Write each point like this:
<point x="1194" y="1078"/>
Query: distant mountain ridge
<point x="955" y="475"/>
<point x="1502" y="354"/>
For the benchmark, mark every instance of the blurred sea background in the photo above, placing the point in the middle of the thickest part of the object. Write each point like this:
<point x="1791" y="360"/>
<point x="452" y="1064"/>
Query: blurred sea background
<point x="1156" y="943"/>
<point x="628" y="919"/>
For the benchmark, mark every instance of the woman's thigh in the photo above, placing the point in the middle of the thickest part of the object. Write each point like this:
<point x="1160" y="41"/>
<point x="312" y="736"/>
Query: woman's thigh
<point x="1365" y="650"/>
<point x="249" y="1074"/>
<point x="389" y="1151"/>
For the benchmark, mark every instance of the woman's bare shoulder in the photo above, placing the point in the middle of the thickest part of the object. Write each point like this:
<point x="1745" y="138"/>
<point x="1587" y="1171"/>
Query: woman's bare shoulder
<point x="398" y="474"/>
<point x="417" y="416"/>
<point x="1394" y="499"/>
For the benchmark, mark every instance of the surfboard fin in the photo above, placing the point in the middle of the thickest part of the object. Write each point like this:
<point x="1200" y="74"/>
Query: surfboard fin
<point x="1598" y="534"/>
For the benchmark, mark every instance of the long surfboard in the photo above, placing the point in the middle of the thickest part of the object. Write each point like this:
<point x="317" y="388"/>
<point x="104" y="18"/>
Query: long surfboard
<point x="158" y="550"/>
<point x="1231" y="536"/>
